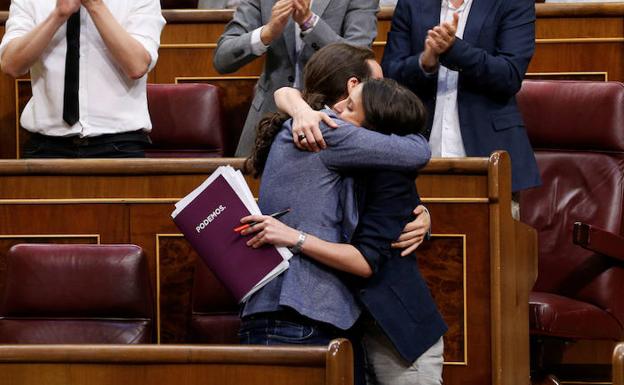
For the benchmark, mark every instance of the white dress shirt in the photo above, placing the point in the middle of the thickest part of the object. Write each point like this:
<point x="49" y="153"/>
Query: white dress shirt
<point x="110" y="102"/>
<point x="445" y="139"/>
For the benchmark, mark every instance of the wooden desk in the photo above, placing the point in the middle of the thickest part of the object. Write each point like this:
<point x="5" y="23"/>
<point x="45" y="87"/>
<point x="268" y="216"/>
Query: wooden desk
<point x="480" y="264"/>
<point x="180" y="365"/>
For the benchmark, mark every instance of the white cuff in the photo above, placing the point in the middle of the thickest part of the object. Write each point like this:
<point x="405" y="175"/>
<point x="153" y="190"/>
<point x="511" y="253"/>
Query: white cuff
<point x="315" y="20"/>
<point x="257" y="46"/>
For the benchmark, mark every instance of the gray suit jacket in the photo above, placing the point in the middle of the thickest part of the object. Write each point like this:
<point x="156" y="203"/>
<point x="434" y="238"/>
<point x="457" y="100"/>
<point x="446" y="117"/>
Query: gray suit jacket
<point x="350" y="21"/>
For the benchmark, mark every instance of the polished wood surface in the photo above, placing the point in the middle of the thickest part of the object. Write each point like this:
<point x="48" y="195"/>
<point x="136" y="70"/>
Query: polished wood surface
<point x="618" y="365"/>
<point x="480" y="264"/>
<point x="574" y="41"/>
<point x="183" y="365"/>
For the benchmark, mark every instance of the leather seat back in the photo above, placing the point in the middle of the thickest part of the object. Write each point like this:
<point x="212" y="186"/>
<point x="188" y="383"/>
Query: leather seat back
<point x="577" y="131"/>
<point x="187" y="121"/>
<point x="214" y="317"/>
<point x="76" y="294"/>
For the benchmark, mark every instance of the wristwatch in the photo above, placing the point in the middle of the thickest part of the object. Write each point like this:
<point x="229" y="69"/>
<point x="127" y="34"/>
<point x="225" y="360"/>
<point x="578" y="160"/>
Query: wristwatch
<point x="296" y="249"/>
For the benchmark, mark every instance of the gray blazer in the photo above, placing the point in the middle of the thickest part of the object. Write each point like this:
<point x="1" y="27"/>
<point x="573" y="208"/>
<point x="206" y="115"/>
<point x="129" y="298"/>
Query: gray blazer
<point x="350" y="21"/>
<point x="313" y="186"/>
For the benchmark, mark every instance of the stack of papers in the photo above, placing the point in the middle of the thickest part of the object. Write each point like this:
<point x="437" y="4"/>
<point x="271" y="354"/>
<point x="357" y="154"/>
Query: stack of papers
<point x="207" y="218"/>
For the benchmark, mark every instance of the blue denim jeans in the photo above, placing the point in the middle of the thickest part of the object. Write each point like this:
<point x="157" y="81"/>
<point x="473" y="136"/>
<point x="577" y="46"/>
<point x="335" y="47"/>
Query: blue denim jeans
<point x="271" y="329"/>
<point x="286" y="328"/>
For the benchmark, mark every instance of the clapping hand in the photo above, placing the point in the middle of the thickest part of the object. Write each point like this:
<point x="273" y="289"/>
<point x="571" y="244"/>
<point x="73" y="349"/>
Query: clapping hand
<point x="438" y="41"/>
<point x="442" y="37"/>
<point x="66" y="8"/>
<point x="302" y="11"/>
<point x="280" y="13"/>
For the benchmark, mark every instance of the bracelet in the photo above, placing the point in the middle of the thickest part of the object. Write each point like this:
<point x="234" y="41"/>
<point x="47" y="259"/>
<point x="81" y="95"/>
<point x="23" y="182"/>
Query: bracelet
<point x="309" y="23"/>
<point x="296" y="249"/>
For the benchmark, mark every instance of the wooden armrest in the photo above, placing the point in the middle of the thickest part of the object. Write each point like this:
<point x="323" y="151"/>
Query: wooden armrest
<point x="598" y="240"/>
<point x="618" y="364"/>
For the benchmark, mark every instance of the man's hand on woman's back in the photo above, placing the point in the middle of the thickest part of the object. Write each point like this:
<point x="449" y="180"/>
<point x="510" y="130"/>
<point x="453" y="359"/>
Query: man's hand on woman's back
<point x="306" y="120"/>
<point x="306" y="129"/>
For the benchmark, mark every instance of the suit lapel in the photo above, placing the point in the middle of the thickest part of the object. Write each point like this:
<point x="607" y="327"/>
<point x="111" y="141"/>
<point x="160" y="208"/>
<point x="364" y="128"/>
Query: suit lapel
<point x="478" y="12"/>
<point x="429" y="11"/>
<point x="318" y="6"/>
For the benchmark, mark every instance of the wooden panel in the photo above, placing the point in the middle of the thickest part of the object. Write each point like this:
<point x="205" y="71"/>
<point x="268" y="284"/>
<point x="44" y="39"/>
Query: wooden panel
<point x="442" y="264"/>
<point x="184" y="365"/>
<point x="176" y="259"/>
<point x="571" y="28"/>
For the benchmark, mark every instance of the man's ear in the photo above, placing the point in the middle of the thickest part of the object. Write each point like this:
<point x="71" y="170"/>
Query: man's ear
<point x="351" y="83"/>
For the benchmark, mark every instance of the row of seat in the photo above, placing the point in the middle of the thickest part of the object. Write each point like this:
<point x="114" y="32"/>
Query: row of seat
<point x="99" y="294"/>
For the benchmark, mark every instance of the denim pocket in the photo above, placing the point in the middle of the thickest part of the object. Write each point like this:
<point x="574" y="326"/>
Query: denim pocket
<point x="290" y="332"/>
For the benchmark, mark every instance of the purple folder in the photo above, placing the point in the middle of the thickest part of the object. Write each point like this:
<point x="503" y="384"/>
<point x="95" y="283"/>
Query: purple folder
<point x="208" y="224"/>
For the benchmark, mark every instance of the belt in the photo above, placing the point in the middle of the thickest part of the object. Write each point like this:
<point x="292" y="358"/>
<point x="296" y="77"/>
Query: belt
<point x="133" y="136"/>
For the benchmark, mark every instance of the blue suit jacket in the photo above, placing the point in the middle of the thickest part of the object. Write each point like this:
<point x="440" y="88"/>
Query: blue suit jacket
<point x="396" y="296"/>
<point x="492" y="58"/>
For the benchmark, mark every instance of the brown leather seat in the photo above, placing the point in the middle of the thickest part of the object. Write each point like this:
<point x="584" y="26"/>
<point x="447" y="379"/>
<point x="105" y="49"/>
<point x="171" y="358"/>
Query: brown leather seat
<point x="214" y="312"/>
<point x="577" y="131"/>
<point x="187" y="121"/>
<point x="76" y="294"/>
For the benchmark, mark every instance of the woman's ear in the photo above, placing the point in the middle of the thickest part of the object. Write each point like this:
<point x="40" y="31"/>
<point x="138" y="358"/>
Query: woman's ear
<point x="351" y="83"/>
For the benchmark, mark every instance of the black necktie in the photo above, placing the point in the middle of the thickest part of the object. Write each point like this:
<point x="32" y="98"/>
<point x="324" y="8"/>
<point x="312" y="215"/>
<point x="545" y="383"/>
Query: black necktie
<point x="71" y="113"/>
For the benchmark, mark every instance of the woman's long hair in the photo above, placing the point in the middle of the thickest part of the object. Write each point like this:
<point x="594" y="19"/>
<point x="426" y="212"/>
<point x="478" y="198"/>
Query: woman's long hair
<point x="325" y="79"/>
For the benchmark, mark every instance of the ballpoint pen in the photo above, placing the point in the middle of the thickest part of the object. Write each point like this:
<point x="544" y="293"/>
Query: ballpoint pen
<point x="276" y="215"/>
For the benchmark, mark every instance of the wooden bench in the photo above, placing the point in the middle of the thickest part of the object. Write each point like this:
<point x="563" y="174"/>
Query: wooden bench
<point x="176" y="364"/>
